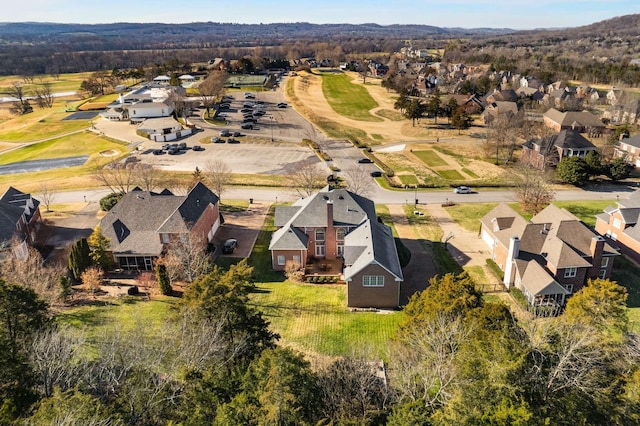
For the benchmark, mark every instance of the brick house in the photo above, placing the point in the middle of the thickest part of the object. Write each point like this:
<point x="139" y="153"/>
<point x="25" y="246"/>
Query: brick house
<point x="549" y="151"/>
<point x="335" y="226"/>
<point x="19" y="220"/>
<point x="143" y="224"/>
<point x="549" y="258"/>
<point x="581" y="121"/>
<point x="619" y="224"/>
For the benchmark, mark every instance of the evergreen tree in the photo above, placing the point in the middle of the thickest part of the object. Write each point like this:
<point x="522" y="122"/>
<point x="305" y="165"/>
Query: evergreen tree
<point x="99" y="246"/>
<point x="164" y="282"/>
<point x="573" y="170"/>
<point x="79" y="258"/>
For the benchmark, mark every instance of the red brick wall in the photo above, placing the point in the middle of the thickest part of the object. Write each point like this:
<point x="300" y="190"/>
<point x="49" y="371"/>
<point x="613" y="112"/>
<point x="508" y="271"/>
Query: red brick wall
<point x="288" y="256"/>
<point x="201" y="228"/>
<point x="359" y="296"/>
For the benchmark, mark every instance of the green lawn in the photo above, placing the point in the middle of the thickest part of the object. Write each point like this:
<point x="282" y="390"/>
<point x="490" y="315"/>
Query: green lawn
<point x="314" y="319"/>
<point x="348" y="99"/>
<point x="84" y="143"/>
<point x="470" y="173"/>
<point x="125" y="314"/>
<point x="390" y="114"/>
<point x="430" y="158"/>
<point x="408" y="179"/>
<point x="450" y="174"/>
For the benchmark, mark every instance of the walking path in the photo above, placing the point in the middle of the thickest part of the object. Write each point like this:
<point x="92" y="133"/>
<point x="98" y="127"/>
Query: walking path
<point x="420" y="268"/>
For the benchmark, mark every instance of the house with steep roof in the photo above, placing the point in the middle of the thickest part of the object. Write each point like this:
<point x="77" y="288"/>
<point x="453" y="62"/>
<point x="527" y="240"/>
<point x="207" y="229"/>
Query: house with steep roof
<point x="19" y="220"/>
<point x="550" y="150"/>
<point x="495" y="110"/>
<point x="620" y="225"/>
<point x="338" y="227"/>
<point x="548" y="258"/>
<point x="143" y="224"/>
<point x="581" y="121"/>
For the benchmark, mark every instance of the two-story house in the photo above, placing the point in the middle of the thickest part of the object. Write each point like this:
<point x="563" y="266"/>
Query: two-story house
<point x="620" y="225"/>
<point x="143" y="224"/>
<point x="629" y="149"/>
<point x="581" y="121"/>
<point x="549" y="151"/>
<point x="549" y="258"/>
<point x="338" y="226"/>
<point x="19" y="220"/>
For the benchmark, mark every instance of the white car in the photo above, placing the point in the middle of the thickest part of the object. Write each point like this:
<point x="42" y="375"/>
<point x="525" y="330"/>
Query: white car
<point x="462" y="190"/>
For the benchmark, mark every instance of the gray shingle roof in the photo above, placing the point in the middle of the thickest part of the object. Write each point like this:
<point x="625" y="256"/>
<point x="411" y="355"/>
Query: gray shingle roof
<point x="632" y="141"/>
<point x="289" y="238"/>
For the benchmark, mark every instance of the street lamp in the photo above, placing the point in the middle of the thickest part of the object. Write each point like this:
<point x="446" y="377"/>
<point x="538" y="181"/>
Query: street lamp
<point x="271" y="117"/>
<point x="415" y="195"/>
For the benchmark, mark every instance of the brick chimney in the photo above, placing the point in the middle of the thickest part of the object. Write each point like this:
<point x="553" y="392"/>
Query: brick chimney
<point x="330" y="247"/>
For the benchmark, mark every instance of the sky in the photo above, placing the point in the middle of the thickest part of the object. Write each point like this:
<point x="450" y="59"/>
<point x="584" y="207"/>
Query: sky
<point x="516" y="14"/>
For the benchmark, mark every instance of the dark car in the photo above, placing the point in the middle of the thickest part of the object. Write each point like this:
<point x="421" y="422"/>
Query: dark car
<point x="225" y="133"/>
<point x="376" y="173"/>
<point x="166" y="146"/>
<point x="365" y="160"/>
<point x="173" y="151"/>
<point x="237" y="134"/>
<point x="233" y="140"/>
<point x="198" y="148"/>
<point x="229" y="246"/>
<point x="282" y="105"/>
<point x="247" y="125"/>
<point x="259" y="112"/>
<point x="158" y="152"/>
<point x="182" y="145"/>
<point x="247" y="110"/>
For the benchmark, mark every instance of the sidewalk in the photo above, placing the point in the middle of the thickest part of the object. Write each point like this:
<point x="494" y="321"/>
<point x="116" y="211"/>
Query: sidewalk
<point x="420" y="268"/>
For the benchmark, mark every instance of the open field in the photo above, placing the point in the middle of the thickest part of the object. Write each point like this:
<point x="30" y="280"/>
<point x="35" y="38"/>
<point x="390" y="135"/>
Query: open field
<point x="61" y="83"/>
<point x="347" y="99"/>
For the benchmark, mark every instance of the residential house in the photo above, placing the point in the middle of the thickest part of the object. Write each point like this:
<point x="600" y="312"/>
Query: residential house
<point x="550" y="150"/>
<point x="532" y="83"/>
<point x="339" y="230"/>
<point x="494" y="110"/>
<point x="508" y="95"/>
<point x="549" y="258"/>
<point x="629" y="148"/>
<point x="614" y="96"/>
<point x="620" y="225"/>
<point x="582" y="121"/>
<point x="143" y="224"/>
<point x="19" y="220"/>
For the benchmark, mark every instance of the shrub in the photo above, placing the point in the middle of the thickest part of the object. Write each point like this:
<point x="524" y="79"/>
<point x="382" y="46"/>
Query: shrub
<point x="294" y="271"/>
<point x="495" y="269"/>
<point x="93" y="278"/>
<point x="164" y="282"/>
<point x="108" y="201"/>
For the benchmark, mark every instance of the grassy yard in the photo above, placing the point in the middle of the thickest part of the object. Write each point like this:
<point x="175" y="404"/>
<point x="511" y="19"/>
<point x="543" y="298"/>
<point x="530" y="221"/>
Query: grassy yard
<point x="84" y="143"/>
<point x="314" y="320"/>
<point x="450" y="174"/>
<point x="40" y="124"/>
<point x="430" y="158"/>
<point x="348" y="99"/>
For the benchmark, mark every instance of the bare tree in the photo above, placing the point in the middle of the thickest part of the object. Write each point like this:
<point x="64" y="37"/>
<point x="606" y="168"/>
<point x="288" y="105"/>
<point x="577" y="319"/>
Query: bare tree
<point x="533" y="189"/>
<point x="502" y="138"/>
<point x="47" y="195"/>
<point x="359" y="181"/>
<point x="212" y="87"/>
<point x="308" y="178"/>
<point x="52" y="354"/>
<point x="146" y="176"/>
<point x="218" y="175"/>
<point x="187" y="258"/>
<point x="21" y="105"/>
<point x="44" y="95"/>
<point x="118" y="177"/>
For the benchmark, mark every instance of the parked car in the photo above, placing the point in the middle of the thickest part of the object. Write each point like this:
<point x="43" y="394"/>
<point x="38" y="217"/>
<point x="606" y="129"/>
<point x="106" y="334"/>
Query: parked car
<point x="462" y="190"/>
<point x="259" y="112"/>
<point x="225" y="133"/>
<point x="249" y="95"/>
<point x="365" y="161"/>
<point x="158" y="152"/>
<point x="218" y="140"/>
<point x="282" y="105"/>
<point x="166" y="146"/>
<point x="198" y="148"/>
<point x="247" y="126"/>
<point x="233" y="140"/>
<point x="182" y="145"/>
<point x="229" y="246"/>
<point x="173" y="151"/>
<point x="237" y="134"/>
<point x="376" y="173"/>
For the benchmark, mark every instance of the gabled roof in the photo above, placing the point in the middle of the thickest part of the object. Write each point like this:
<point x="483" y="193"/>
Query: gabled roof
<point x="566" y="138"/>
<point x="289" y="238"/>
<point x="538" y="281"/>
<point x="509" y="223"/>
<point x="632" y="141"/>
<point x="135" y="223"/>
<point x="581" y="118"/>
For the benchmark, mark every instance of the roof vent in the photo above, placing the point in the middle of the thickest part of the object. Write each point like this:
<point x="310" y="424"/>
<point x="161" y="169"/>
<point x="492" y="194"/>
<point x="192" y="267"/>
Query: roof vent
<point x="325" y="197"/>
<point x="340" y="197"/>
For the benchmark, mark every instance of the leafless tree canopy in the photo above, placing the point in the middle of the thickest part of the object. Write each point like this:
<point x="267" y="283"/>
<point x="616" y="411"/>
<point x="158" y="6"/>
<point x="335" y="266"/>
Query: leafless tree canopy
<point x="187" y="259"/>
<point x="533" y="189"/>
<point x="46" y="195"/>
<point x="308" y="178"/>
<point x="502" y="139"/>
<point x="359" y="181"/>
<point x="217" y="176"/>
<point x="44" y="95"/>
<point x="212" y="87"/>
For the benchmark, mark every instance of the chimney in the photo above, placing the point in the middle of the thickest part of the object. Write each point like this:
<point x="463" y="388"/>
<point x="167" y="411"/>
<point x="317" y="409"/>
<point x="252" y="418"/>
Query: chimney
<point x="597" y="246"/>
<point x="330" y="235"/>
<point x="512" y="254"/>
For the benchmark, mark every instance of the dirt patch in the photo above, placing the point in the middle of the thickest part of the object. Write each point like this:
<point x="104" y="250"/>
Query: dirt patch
<point x="109" y="153"/>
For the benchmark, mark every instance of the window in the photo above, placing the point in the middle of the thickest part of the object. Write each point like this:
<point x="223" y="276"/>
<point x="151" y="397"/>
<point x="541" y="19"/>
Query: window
<point x="373" y="281"/>
<point x="319" y="234"/>
<point x="340" y="233"/>
<point x="281" y="260"/>
<point x="296" y="259"/>
<point x="570" y="272"/>
<point x="605" y="262"/>
<point x="165" y="239"/>
<point x="616" y="223"/>
<point x="569" y="288"/>
<point x="320" y="250"/>
<point x="603" y="274"/>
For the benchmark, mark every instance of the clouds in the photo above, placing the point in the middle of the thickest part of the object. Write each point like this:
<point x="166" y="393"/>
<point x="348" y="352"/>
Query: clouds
<point x="518" y="14"/>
